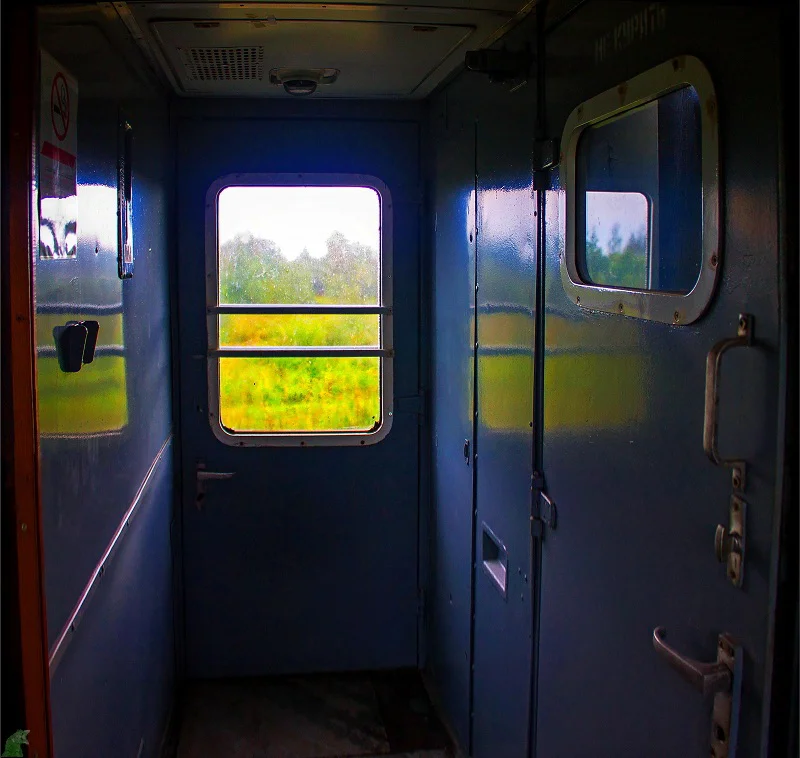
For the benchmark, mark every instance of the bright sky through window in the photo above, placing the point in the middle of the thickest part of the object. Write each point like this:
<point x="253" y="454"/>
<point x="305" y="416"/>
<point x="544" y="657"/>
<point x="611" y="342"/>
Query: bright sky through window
<point x="300" y="217"/>
<point x="627" y="211"/>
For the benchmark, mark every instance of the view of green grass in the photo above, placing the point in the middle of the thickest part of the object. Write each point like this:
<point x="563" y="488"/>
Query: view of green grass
<point x="294" y="329"/>
<point x="298" y="394"/>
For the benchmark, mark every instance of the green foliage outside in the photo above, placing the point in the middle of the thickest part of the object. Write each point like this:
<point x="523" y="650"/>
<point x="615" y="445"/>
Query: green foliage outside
<point x="13" y="746"/>
<point x="618" y="266"/>
<point x="299" y="394"/>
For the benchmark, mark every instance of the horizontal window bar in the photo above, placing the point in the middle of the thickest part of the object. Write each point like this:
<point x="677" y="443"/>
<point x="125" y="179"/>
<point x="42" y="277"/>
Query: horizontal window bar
<point x="263" y="309"/>
<point x="301" y="352"/>
<point x="101" y="351"/>
<point x="81" y="308"/>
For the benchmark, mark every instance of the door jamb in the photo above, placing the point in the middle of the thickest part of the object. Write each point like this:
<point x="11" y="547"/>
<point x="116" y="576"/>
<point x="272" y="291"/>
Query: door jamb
<point x="22" y="505"/>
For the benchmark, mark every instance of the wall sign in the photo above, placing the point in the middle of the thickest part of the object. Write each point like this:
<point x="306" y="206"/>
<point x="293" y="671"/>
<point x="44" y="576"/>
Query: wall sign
<point x="58" y="162"/>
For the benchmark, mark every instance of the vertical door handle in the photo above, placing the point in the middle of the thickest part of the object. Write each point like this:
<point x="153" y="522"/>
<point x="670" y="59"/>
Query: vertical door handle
<point x="743" y="338"/>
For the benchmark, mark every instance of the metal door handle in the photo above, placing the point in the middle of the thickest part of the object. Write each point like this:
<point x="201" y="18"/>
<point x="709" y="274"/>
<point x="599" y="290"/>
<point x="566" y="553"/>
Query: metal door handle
<point x="705" y="677"/>
<point x="204" y="476"/>
<point x="723" y="678"/>
<point x="744" y="338"/>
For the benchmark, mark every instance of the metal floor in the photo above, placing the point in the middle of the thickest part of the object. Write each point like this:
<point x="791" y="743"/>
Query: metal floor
<point x="372" y="715"/>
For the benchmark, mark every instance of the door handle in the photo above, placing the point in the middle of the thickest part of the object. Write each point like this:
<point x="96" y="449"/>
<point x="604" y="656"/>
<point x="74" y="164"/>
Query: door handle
<point x="705" y="677"/>
<point x="723" y="678"/>
<point x="743" y="338"/>
<point x="203" y="476"/>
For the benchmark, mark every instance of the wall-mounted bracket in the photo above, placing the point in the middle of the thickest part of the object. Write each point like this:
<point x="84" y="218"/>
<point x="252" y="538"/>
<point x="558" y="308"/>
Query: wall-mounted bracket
<point x="503" y="66"/>
<point x="75" y="344"/>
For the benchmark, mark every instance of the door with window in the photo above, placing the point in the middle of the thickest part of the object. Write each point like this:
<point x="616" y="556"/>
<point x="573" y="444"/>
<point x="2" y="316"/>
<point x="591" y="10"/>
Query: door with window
<point x="662" y="408"/>
<point x="299" y="393"/>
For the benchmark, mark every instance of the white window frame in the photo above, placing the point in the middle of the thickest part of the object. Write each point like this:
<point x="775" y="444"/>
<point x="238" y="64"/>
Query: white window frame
<point x="668" y="307"/>
<point x="385" y="351"/>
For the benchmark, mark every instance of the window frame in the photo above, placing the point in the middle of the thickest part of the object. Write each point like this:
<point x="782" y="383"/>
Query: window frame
<point x="385" y="351"/>
<point x="654" y="305"/>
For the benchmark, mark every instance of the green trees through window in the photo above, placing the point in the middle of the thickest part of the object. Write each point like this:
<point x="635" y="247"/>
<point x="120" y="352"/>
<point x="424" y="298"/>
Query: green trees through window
<point x="254" y="270"/>
<point x="617" y="265"/>
<point x="299" y="394"/>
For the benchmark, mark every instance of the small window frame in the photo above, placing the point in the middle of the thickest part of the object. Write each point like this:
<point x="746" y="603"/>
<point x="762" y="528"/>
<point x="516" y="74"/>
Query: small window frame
<point x="213" y="309"/>
<point x="667" y="307"/>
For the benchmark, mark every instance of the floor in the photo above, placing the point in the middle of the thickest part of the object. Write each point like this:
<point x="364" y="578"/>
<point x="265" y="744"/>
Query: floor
<point x="372" y="715"/>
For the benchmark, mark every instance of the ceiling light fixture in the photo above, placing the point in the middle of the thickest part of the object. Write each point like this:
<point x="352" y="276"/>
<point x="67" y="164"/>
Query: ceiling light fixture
<point x="302" y="82"/>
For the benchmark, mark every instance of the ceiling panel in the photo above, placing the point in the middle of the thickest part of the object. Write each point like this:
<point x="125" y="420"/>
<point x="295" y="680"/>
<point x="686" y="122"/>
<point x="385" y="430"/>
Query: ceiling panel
<point x="387" y="50"/>
<point x="375" y="59"/>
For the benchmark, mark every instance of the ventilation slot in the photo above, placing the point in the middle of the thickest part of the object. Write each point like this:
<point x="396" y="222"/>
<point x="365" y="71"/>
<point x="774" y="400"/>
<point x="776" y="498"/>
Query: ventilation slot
<point x="223" y="64"/>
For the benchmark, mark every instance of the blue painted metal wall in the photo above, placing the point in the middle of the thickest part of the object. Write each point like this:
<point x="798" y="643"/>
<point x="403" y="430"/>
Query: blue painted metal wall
<point x="114" y="686"/>
<point x="452" y="403"/>
<point x="495" y="685"/>
<point x="624" y="401"/>
<point x="506" y="276"/>
<point x="102" y="428"/>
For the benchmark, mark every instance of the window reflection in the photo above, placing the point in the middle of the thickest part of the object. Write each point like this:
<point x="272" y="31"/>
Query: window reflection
<point x="84" y="286"/>
<point x="639" y="197"/>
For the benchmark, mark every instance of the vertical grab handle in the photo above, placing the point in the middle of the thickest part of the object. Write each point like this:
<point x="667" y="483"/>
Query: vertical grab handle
<point x="743" y="338"/>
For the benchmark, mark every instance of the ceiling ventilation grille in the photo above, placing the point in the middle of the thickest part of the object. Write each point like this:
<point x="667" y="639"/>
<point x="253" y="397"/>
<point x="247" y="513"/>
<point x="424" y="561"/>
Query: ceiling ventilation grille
<point x="206" y="64"/>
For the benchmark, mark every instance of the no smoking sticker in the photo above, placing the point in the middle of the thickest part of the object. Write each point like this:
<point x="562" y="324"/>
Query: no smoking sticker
<point x="58" y="162"/>
<point x="59" y="106"/>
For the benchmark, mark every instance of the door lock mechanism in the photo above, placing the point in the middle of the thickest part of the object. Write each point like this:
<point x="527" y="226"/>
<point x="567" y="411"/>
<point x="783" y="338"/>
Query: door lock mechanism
<point x="729" y="544"/>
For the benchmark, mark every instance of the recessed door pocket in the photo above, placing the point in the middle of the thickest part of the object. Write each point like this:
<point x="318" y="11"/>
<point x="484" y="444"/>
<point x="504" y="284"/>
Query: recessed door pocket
<point x="494" y="558"/>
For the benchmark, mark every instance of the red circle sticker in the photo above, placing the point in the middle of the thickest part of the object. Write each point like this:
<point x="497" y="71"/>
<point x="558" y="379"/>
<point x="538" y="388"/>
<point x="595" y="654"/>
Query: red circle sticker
<point x="59" y="106"/>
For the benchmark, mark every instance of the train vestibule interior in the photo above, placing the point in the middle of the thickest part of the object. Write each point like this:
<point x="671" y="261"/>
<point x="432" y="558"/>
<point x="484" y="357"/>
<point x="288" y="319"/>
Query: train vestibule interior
<point x="388" y="379"/>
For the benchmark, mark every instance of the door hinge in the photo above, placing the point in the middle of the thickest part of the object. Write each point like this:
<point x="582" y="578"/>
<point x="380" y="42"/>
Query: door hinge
<point x="414" y="404"/>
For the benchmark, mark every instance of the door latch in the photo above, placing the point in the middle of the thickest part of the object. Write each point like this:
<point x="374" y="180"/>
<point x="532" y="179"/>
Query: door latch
<point x="729" y="544"/>
<point x="723" y="678"/>
<point x="543" y="509"/>
<point x="203" y="476"/>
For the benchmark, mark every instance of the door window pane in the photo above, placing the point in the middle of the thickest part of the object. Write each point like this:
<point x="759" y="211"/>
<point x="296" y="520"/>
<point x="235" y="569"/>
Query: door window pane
<point x="299" y="330"/>
<point x="639" y="197"/>
<point x="299" y="245"/>
<point x="284" y="250"/>
<point x="617" y="236"/>
<point x="320" y="394"/>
